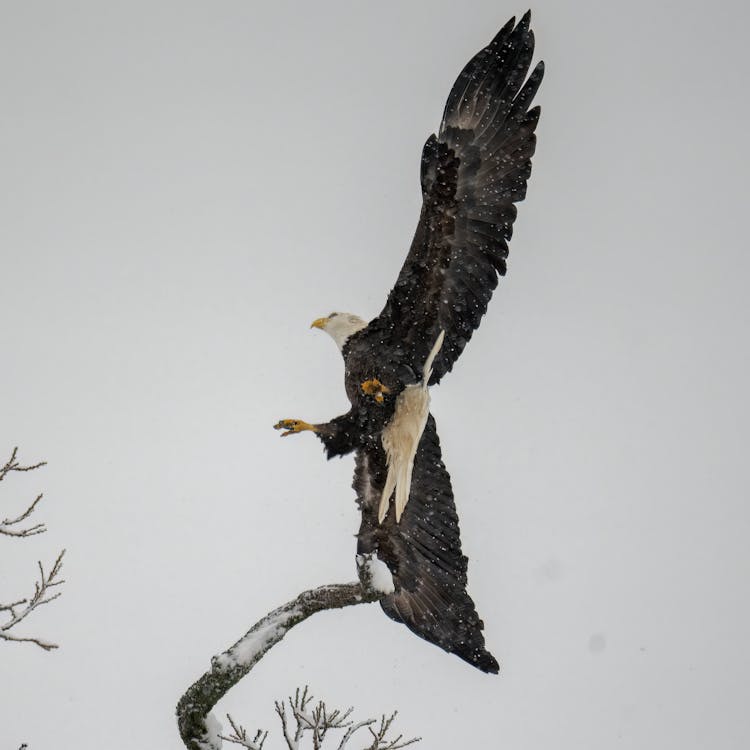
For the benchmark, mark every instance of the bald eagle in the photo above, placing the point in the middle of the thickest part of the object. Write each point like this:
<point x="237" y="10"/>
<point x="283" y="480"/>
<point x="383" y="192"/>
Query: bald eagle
<point x="473" y="172"/>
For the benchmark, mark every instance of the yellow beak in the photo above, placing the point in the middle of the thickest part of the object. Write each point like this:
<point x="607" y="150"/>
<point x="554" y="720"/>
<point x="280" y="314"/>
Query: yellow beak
<point x="319" y="323"/>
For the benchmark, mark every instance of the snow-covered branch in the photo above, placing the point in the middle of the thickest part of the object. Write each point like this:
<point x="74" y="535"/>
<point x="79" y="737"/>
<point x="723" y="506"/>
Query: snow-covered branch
<point x="316" y="723"/>
<point x="15" y="526"/>
<point x="198" y="727"/>
<point x="8" y="527"/>
<point x="19" y="610"/>
<point x="380" y="739"/>
<point x="239" y="736"/>
<point x="320" y="720"/>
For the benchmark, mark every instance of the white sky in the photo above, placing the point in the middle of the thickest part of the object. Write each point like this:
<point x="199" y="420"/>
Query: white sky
<point x="185" y="186"/>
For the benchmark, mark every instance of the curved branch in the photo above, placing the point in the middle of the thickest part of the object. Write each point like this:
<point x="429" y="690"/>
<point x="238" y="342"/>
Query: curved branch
<point x="197" y="727"/>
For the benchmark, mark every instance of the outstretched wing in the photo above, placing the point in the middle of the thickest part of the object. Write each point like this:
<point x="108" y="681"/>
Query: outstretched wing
<point x="423" y="552"/>
<point x="473" y="174"/>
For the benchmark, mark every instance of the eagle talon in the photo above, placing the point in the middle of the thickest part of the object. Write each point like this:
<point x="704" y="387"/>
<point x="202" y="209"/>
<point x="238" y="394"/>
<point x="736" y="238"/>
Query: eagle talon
<point x="373" y="387"/>
<point x="293" y="426"/>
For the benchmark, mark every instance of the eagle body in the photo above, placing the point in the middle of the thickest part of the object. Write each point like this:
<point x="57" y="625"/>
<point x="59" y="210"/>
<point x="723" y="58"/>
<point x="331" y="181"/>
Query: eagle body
<point x="367" y="356"/>
<point x="473" y="171"/>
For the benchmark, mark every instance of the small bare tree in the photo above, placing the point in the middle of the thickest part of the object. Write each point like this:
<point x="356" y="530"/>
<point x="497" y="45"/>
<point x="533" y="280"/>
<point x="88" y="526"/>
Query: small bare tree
<point x="316" y="722"/>
<point x="21" y="527"/>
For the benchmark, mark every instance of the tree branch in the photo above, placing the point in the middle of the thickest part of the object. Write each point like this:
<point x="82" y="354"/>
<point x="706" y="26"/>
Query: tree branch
<point x="6" y="526"/>
<point x="198" y="728"/>
<point x="239" y="736"/>
<point x="39" y="528"/>
<point x="318" y="723"/>
<point x="19" y="610"/>
<point x="12" y="465"/>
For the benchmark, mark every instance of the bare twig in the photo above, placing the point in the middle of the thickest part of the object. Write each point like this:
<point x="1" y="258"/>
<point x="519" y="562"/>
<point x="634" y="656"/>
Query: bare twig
<point x="12" y="465"/>
<point x="39" y="528"/>
<point x="321" y="720"/>
<point x="380" y="739"/>
<point x="316" y="723"/>
<point x="13" y="526"/>
<point x="22" y="608"/>
<point x="7" y="525"/>
<point x="239" y="736"/>
<point x="291" y="742"/>
<point x="298" y="706"/>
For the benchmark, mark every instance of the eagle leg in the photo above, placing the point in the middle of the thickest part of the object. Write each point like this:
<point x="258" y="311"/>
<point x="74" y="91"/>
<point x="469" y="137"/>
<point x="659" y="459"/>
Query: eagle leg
<point x="293" y="426"/>
<point x="373" y="387"/>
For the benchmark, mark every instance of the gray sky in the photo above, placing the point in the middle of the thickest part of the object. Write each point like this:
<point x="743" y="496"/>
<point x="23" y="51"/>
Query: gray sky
<point x="185" y="186"/>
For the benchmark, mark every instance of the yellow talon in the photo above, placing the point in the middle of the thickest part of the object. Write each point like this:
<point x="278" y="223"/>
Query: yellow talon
<point x="293" y="426"/>
<point x="375" y="388"/>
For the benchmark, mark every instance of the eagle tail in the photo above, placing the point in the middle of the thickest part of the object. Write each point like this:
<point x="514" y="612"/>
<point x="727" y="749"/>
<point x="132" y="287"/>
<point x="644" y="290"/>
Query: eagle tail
<point x="445" y="617"/>
<point x="422" y="551"/>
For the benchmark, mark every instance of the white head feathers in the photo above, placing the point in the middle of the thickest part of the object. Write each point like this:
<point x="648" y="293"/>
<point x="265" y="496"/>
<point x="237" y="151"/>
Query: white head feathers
<point x="340" y="326"/>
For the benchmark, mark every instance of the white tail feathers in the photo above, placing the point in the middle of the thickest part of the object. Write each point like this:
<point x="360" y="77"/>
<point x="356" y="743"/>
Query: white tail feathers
<point x="401" y="437"/>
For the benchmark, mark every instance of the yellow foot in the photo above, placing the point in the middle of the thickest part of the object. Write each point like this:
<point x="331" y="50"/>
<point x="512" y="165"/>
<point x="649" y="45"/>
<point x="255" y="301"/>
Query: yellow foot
<point x="375" y="388"/>
<point x="293" y="426"/>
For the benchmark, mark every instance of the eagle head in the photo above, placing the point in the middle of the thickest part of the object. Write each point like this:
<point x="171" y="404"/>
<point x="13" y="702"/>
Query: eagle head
<point x="340" y="326"/>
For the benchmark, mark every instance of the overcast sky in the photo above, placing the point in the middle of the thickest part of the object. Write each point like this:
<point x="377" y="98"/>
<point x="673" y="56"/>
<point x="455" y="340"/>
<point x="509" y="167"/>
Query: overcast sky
<point x="185" y="186"/>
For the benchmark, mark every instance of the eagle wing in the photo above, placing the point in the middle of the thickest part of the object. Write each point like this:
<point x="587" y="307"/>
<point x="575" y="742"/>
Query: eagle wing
<point x="422" y="552"/>
<point x="473" y="173"/>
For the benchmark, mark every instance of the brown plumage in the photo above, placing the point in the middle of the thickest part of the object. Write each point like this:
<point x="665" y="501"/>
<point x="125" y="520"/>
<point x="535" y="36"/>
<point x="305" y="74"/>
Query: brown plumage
<point x="473" y="172"/>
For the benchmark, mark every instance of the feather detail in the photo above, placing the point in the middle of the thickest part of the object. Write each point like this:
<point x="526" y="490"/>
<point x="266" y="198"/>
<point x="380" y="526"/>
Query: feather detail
<point x="423" y="552"/>
<point x="473" y="173"/>
<point x="401" y="437"/>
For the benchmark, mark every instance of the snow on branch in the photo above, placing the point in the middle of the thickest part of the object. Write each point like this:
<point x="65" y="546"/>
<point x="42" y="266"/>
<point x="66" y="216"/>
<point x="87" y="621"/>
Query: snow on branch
<point x="380" y="739"/>
<point x="43" y="594"/>
<point x="44" y="588"/>
<point x="239" y="736"/>
<point x="198" y="727"/>
<point x="8" y="527"/>
<point x="316" y="722"/>
<point x="319" y="720"/>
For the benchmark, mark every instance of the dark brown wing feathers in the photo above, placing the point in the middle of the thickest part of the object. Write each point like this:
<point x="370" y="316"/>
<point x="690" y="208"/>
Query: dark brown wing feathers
<point x="472" y="174"/>
<point x="423" y="552"/>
